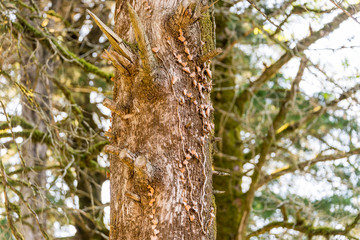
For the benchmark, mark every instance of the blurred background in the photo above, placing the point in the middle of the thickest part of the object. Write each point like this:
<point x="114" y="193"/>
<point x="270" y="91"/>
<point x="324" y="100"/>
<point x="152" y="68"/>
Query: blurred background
<point x="286" y="93"/>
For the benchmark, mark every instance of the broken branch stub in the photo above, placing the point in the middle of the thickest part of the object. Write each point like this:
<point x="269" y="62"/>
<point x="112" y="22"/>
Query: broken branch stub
<point x="145" y="52"/>
<point x="116" y="42"/>
<point x="210" y="55"/>
<point x="111" y="105"/>
<point x="140" y="164"/>
<point x="117" y="64"/>
<point x="124" y="155"/>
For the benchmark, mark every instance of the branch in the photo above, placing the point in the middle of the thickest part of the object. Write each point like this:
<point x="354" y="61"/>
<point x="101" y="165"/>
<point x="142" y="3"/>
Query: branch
<point x="344" y="10"/>
<point x="24" y="202"/>
<point x="34" y="168"/>
<point x="10" y="220"/>
<point x="301" y="166"/>
<point x="264" y="15"/>
<point x="16" y="121"/>
<point x="210" y="55"/>
<point x="299" y="9"/>
<point x="290" y="97"/>
<point x="68" y="95"/>
<point x="300" y="47"/>
<point x="51" y="42"/>
<point x="266" y="145"/>
<point x="268" y="141"/>
<point x="307" y="229"/>
<point x="315" y="112"/>
<point x="119" y="62"/>
<point x="116" y="42"/>
<point x="35" y="134"/>
<point x="145" y="52"/>
<point x="93" y="151"/>
<point x="274" y="14"/>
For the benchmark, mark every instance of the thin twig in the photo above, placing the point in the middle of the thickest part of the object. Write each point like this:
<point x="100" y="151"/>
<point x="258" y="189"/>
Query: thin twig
<point x="265" y="16"/>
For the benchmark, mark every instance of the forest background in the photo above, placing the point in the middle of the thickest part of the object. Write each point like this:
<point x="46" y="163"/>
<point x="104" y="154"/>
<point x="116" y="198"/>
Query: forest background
<point x="286" y="99"/>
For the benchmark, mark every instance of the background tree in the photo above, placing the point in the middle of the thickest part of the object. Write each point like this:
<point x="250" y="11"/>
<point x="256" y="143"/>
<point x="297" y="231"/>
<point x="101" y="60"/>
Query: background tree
<point x="72" y="134"/>
<point x="285" y="96"/>
<point x="272" y="125"/>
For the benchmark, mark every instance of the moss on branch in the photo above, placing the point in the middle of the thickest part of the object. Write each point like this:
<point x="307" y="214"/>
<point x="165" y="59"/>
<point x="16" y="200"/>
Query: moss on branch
<point x="86" y="158"/>
<point x="16" y="121"/>
<point x="51" y="42"/>
<point x="35" y="134"/>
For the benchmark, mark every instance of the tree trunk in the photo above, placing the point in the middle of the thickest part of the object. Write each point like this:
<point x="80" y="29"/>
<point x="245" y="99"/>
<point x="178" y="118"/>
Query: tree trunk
<point x="160" y="164"/>
<point x="34" y="154"/>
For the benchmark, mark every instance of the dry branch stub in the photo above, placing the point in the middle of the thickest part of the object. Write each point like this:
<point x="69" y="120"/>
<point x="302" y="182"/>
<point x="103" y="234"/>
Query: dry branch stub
<point x="160" y="157"/>
<point x="116" y="42"/>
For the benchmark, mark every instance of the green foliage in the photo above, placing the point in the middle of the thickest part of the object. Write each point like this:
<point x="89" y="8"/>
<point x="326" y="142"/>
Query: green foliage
<point x="5" y="232"/>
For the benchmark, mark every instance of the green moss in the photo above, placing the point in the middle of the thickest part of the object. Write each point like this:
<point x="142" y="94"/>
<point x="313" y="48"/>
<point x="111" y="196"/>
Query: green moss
<point x="207" y="33"/>
<point x="36" y="135"/>
<point x="16" y="121"/>
<point x="86" y="160"/>
<point x="81" y="62"/>
<point x="50" y="41"/>
<point x="55" y="14"/>
<point x="215" y="210"/>
<point x="97" y="148"/>
<point x="21" y="3"/>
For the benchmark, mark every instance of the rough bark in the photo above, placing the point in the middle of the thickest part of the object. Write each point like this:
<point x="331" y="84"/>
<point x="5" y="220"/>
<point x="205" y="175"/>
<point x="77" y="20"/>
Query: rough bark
<point x="160" y="165"/>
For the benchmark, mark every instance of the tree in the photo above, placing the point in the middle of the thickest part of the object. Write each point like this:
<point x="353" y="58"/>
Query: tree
<point x="176" y="94"/>
<point x="275" y="131"/>
<point x="270" y="127"/>
<point x="69" y="133"/>
<point x="160" y="171"/>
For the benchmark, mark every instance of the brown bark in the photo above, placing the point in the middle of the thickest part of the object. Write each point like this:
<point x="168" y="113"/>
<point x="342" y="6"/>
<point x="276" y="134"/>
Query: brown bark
<point x="160" y="165"/>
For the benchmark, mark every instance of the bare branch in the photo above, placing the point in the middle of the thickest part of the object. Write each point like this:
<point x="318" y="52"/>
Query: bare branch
<point x="344" y="10"/>
<point x="10" y="220"/>
<point x="307" y="229"/>
<point x="264" y="15"/>
<point x="315" y="112"/>
<point x="300" y="47"/>
<point x="51" y="42"/>
<point x="210" y="55"/>
<point x="301" y="166"/>
<point x="267" y="143"/>
<point x="290" y="97"/>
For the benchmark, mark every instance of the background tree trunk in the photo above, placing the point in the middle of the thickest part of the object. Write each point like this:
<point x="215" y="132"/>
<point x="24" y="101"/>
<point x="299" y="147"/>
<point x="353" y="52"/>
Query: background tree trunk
<point x="34" y="77"/>
<point x="160" y="168"/>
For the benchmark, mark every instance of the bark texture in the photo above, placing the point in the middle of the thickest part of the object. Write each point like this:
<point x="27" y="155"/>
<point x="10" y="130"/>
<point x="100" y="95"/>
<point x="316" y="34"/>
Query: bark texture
<point x="160" y="165"/>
